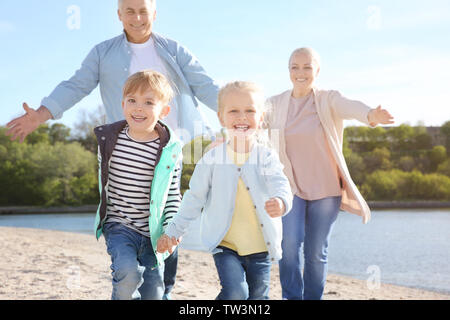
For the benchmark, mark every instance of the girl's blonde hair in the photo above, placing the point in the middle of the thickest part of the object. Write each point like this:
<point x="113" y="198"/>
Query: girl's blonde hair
<point x="258" y="96"/>
<point x="245" y="86"/>
<point x="149" y="80"/>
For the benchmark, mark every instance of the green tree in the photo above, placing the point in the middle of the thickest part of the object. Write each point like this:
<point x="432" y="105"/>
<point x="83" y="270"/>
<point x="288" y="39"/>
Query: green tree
<point x="444" y="168"/>
<point x="192" y="153"/>
<point x="437" y="156"/>
<point x="40" y="135"/>
<point x="39" y="173"/>
<point x="84" y="127"/>
<point x="59" y="168"/>
<point x="406" y="163"/>
<point x="380" y="185"/>
<point x="59" y="133"/>
<point x="445" y="131"/>
<point x="378" y="159"/>
<point x="401" y="137"/>
<point x="399" y="185"/>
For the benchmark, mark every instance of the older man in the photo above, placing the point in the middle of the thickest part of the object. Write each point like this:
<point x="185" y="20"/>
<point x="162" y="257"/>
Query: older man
<point x="111" y="62"/>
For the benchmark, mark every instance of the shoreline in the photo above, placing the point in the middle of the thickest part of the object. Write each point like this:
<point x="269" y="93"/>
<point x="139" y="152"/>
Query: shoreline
<point x="384" y="205"/>
<point x="46" y="264"/>
<point x="433" y="290"/>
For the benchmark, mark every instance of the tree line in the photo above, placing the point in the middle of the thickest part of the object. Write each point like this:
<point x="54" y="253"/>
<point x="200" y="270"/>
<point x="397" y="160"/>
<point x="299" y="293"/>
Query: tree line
<point x="55" y="168"/>
<point x="399" y="163"/>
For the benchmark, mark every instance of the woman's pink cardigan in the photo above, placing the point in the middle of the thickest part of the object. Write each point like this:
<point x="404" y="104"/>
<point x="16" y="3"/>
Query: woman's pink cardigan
<point x="332" y="109"/>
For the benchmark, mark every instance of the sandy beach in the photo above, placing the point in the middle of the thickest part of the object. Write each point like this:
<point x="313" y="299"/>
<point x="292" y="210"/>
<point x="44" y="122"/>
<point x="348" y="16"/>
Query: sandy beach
<point x="52" y="265"/>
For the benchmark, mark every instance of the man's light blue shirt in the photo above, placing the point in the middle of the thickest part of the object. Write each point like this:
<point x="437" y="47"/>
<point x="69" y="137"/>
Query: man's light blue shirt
<point x="108" y="64"/>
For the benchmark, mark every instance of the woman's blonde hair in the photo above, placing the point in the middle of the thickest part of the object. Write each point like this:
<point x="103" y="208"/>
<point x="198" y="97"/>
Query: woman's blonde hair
<point x="310" y="51"/>
<point x="149" y="80"/>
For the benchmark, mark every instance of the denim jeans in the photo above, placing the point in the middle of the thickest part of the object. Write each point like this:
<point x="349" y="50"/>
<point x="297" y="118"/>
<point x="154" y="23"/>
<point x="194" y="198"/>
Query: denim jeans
<point x="308" y="224"/>
<point x="170" y="273"/>
<point x="243" y="277"/>
<point x="134" y="275"/>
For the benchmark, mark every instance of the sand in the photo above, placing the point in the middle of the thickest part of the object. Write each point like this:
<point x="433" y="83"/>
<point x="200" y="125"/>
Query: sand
<point x="52" y="265"/>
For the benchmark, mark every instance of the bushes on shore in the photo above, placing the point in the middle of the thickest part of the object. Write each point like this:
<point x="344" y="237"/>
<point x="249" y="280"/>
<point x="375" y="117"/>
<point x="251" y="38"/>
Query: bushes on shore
<point x="399" y="185"/>
<point x="45" y="171"/>
<point x="51" y="168"/>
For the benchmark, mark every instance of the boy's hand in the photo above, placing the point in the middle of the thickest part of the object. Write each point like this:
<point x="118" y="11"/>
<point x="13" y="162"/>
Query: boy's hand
<point x="165" y="243"/>
<point x="275" y="207"/>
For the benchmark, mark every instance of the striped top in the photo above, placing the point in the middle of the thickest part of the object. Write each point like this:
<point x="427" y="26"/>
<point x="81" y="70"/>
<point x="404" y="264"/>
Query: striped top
<point x="131" y="171"/>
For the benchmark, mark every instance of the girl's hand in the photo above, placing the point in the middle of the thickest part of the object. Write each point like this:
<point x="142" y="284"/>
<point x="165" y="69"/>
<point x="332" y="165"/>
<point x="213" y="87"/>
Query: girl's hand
<point x="275" y="207"/>
<point x="379" y="116"/>
<point x="166" y="243"/>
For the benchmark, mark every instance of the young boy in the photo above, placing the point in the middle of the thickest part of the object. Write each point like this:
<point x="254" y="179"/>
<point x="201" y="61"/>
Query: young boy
<point x="139" y="174"/>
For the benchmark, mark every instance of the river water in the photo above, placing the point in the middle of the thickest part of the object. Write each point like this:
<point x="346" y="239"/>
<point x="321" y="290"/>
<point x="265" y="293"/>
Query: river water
<point x="404" y="247"/>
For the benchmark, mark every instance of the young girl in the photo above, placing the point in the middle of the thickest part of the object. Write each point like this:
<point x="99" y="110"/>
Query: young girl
<point x="239" y="191"/>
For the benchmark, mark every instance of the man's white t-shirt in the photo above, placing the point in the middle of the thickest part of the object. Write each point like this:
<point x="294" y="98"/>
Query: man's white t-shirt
<point x="144" y="56"/>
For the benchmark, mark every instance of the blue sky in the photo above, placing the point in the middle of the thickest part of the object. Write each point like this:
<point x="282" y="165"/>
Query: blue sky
<point x="393" y="53"/>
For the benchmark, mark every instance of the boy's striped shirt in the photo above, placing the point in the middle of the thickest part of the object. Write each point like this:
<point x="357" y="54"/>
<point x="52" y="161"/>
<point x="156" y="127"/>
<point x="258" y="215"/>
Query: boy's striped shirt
<point x="131" y="171"/>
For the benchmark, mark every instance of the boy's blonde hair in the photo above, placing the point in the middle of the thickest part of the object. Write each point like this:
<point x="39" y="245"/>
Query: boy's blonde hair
<point x="149" y="80"/>
<point x="245" y="86"/>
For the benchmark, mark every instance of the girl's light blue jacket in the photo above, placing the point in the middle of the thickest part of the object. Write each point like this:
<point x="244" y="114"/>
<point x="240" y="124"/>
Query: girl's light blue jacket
<point x="212" y="189"/>
<point x="108" y="64"/>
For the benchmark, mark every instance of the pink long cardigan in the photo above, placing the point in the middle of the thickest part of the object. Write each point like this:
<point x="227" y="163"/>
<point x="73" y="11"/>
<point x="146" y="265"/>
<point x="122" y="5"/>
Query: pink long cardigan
<point x="332" y="109"/>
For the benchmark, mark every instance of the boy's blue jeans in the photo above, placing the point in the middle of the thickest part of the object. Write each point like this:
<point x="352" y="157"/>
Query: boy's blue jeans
<point x="308" y="224"/>
<point x="243" y="277"/>
<point x="170" y="273"/>
<point x="132" y="264"/>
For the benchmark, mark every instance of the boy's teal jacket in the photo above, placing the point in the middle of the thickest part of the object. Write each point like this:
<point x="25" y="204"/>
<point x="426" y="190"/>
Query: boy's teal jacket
<point x="168" y="156"/>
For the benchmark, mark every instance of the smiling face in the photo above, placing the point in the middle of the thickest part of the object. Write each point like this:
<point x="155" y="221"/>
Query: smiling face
<point x="137" y="17"/>
<point x="303" y="71"/>
<point x="142" y="109"/>
<point x="240" y="114"/>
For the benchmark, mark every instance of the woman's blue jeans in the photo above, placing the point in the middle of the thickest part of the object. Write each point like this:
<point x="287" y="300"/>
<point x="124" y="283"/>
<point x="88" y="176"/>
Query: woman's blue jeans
<point x="134" y="275"/>
<point x="243" y="277"/>
<point x="308" y="224"/>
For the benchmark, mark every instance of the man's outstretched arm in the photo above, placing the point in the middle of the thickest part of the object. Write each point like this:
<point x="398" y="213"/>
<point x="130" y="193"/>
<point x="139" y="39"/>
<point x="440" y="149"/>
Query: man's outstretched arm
<point x="22" y="126"/>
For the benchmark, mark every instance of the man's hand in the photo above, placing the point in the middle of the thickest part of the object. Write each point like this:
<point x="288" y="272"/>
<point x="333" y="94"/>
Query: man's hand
<point x="275" y="207"/>
<point x="379" y="116"/>
<point x="166" y="243"/>
<point x="21" y="127"/>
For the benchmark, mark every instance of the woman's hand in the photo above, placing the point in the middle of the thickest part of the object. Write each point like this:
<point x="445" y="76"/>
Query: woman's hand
<point x="379" y="116"/>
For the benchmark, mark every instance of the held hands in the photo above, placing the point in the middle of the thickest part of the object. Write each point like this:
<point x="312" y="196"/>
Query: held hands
<point x="22" y="126"/>
<point x="165" y="243"/>
<point x="275" y="207"/>
<point x="379" y="116"/>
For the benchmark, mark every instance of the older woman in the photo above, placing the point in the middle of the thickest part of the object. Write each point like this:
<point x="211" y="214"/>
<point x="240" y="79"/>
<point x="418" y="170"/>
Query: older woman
<point x="306" y="125"/>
